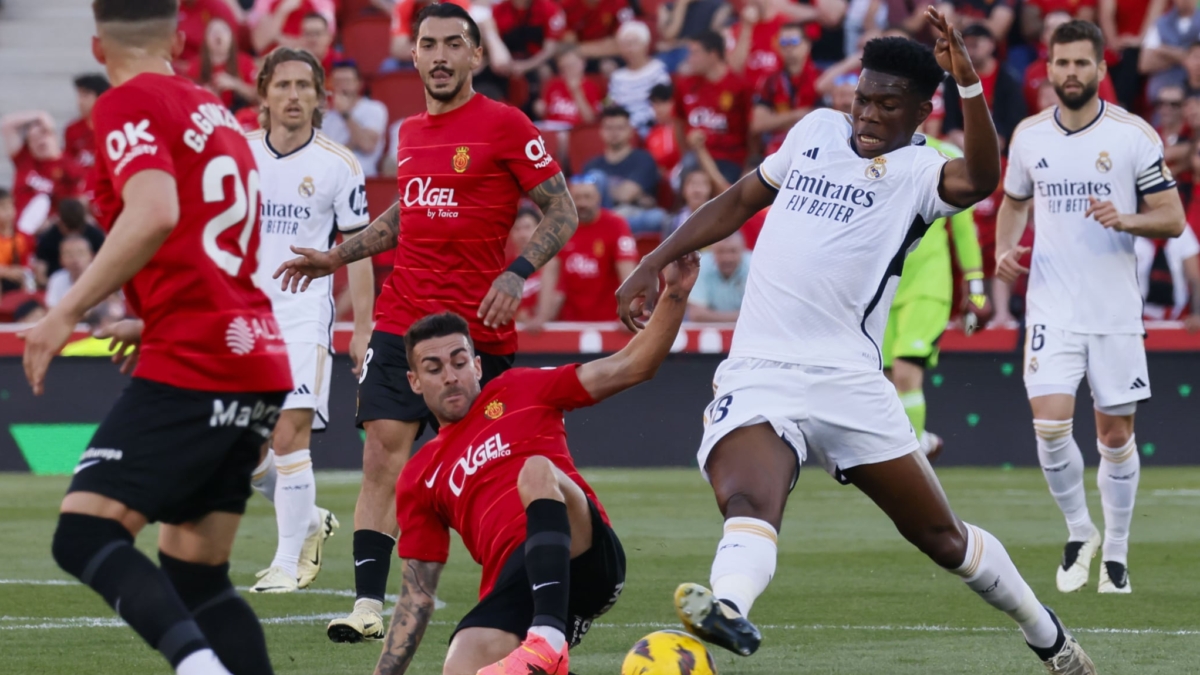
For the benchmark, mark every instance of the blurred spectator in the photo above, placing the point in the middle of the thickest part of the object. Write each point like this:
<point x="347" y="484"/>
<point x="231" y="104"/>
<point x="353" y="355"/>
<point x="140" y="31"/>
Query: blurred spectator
<point x="222" y="69"/>
<point x="823" y="22"/>
<point x="996" y="16"/>
<point x="629" y="86"/>
<point x="752" y="228"/>
<point x="1168" y="274"/>
<point x="316" y="37"/>
<point x="595" y="261"/>
<point x="593" y="24"/>
<point x="80" y="139"/>
<point x="752" y="41"/>
<point x="44" y="174"/>
<point x="662" y="141"/>
<point x="569" y="98"/>
<point x="865" y="19"/>
<point x="404" y="21"/>
<point x="714" y="107"/>
<point x="531" y="313"/>
<point x="354" y="120"/>
<point x="1035" y="12"/>
<point x="16" y="249"/>
<point x="76" y="254"/>
<point x="194" y="16"/>
<point x="685" y="20"/>
<point x="785" y="96"/>
<point x="29" y="312"/>
<point x="1173" y="130"/>
<point x="1125" y="25"/>
<point x="1165" y="46"/>
<point x="72" y="220"/>
<point x="842" y="96"/>
<point x="724" y="269"/>
<point x="696" y="188"/>
<point x="910" y="16"/>
<point x="1037" y="72"/>
<point x="1000" y="88"/>
<point x="531" y="29"/>
<point x="631" y="186"/>
<point x="279" y="22"/>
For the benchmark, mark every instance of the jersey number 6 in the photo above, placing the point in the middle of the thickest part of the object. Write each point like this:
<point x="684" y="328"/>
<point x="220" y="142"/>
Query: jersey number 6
<point x="243" y="210"/>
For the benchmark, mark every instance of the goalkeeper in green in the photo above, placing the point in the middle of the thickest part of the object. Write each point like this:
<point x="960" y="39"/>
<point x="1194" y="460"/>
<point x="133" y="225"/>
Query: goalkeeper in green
<point x="922" y="307"/>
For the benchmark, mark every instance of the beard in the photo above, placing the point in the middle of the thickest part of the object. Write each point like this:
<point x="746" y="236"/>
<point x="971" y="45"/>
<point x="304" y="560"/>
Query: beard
<point x="1078" y="100"/>
<point x="444" y="96"/>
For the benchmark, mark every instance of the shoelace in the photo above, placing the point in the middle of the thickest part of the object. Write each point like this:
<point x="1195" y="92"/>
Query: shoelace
<point x="1066" y="658"/>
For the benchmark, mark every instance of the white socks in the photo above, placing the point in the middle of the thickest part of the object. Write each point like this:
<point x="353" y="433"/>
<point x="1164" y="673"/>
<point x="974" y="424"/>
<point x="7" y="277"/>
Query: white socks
<point x="745" y="562"/>
<point x="989" y="572"/>
<point x="552" y="635"/>
<point x="263" y="478"/>
<point x="1062" y="464"/>
<point x="1120" y="469"/>
<point x="295" y="506"/>
<point x="203" y="662"/>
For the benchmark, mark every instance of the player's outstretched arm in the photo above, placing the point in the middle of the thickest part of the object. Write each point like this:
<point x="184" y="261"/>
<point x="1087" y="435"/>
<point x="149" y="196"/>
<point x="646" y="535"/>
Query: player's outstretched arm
<point x="411" y="617"/>
<point x="1010" y="225"/>
<point x="381" y="235"/>
<point x="971" y="178"/>
<point x="640" y="359"/>
<point x="711" y="223"/>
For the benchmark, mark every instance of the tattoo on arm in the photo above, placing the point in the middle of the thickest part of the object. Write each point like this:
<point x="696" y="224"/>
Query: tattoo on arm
<point x="381" y="235"/>
<point x="411" y="617"/>
<point x="559" y="221"/>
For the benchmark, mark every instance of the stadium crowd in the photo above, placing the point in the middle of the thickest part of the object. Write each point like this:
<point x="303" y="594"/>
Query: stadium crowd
<point x="652" y="106"/>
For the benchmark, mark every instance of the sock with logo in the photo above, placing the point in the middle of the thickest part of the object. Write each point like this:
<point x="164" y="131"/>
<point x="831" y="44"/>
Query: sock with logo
<point x="264" y="476"/>
<point x="295" y="504"/>
<point x="100" y="553"/>
<point x="989" y="572"/>
<point x="914" y="407"/>
<point x="223" y="616"/>
<point x="1062" y="464"/>
<point x="548" y="565"/>
<point x="745" y="562"/>
<point x="372" y="558"/>
<point x="1120" y="469"/>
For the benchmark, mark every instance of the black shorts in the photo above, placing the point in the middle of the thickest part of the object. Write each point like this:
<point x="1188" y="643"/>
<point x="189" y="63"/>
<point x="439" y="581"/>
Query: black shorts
<point x="383" y="389"/>
<point x="175" y="455"/>
<point x="597" y="578"/>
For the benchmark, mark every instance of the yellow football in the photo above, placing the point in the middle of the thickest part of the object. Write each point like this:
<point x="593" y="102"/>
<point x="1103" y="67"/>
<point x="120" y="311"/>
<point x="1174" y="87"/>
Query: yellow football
<point x="668" y="652"/>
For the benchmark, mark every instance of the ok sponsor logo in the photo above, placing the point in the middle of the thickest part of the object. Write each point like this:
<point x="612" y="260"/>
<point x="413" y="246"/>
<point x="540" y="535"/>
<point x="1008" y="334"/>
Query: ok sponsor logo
<point x="475" y="458"/>
<point x="128" y="142"/>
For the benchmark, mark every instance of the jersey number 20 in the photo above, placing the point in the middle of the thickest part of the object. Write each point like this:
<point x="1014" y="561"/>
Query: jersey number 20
<point x="243" y="210"/>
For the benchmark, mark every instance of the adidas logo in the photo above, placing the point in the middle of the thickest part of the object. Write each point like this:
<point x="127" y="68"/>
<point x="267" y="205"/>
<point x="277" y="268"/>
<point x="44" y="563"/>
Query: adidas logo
<point x="811" y="153"/>
<point x="302" y="389"/>
<point x="1042" y="164"/>
<point x="1138" y="384"/>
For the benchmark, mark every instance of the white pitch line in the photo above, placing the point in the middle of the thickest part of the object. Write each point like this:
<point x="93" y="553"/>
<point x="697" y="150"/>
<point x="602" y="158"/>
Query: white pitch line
<point x="308" y="591"/>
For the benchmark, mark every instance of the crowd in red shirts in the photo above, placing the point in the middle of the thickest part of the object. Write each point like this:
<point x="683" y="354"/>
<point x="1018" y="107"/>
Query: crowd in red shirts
<point x="656" y="105"/>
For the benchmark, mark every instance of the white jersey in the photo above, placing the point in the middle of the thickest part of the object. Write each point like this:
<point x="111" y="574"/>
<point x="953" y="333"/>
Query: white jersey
<point x="831" y="250"/>
<point x="308" y="196"/>
<point x="1084" y="276"/>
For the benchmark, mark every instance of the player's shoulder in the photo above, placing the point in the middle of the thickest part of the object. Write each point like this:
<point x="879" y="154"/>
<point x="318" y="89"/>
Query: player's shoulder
<point x="1034" y="124"/>
<point x="1121" y="120"/>
<point x="338" y="154"/>
<point x="827" y="117"/>
<point x="499" y="111"/>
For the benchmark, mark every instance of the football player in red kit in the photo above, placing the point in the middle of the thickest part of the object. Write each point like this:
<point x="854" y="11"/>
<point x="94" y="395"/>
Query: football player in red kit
<point x="462" y="168"/>
<point x="500" y="474"/>
<point x="178" y="189"/>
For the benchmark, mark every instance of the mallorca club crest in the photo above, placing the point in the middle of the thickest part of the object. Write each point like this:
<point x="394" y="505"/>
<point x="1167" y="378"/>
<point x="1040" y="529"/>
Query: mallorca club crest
<point x="877" y="168"/>
<point x="307" y="187"/>
<point x="493" y="410"/>
<point x="726" y="100"/>
<point x="1104" y="163"/>
<point x="461" y="160"/>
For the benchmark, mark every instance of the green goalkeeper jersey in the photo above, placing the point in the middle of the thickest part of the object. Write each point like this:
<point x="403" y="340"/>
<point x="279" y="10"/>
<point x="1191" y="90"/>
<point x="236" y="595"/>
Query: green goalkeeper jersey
<point x="927" y="272"/>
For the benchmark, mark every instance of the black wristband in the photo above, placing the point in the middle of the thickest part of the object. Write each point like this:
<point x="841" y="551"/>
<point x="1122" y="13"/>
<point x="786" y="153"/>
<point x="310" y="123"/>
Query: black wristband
<point x="521" y="267"/>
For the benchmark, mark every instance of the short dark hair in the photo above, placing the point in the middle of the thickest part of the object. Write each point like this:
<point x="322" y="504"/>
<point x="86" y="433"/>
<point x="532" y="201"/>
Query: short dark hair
<point x="134" y="10"/>
<point x="904" y="58"/>
<point x="76" y="237"/>
<point x="435" y="326"/>
<point x="346" y="64"/>
<point x="5" y="194"/>
<point x="711" y="41"/>
<point x="316" y="15"/>
<point x="73" y="215"/>
<point x="25" y="309"/>
<point x="662" y="92"/>
<point x="1078" y="30"/>
<point x="93" y="82"/>
<point x="614" y="111"/>
<point x="795" y="25"/>
<point x="449" y="10"/>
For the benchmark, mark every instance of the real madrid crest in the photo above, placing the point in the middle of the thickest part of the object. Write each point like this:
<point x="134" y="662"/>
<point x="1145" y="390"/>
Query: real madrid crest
<point x="877" y="168"/>
<point x="307" y="187"/>
<point x="461" y="160"/>
<point x="494" y="409"/>
<point x="1033" y="365"/>
<point x="1104" y="163"/>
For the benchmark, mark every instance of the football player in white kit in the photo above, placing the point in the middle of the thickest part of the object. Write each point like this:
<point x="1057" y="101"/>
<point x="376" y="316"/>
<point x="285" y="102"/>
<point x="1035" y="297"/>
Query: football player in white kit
<point x="312" y="189"/>
<point x="1096" y="178"/>
<point x="850" y="196"/>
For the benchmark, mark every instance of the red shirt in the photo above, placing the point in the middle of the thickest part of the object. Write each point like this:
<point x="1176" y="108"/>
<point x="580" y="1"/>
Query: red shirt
<point x="1036" y="74"/>
<point x="1130" y="16"/>
<point x="59" y="178"/>
<point x="404" y="14"/>
<point x="16" y="249"/>
<point x="525" y="30"/>
<point x="597" y="19"/>
<point x="465" y="479"/>
<point x="246" y="73"/>
<point x="663" y="146"/>
<point x="292" y="24"/>
<point x="753" y="227"/>
<point x="763" y="59"/>
<point x="461" y="176"/>
<point x="589" y="278"/>
<point x="81" y="149"/>
<point x="985" y="223"/>
<point x="782" y="92"/>
<point x="560" y="105"/>
<point x="721" y="109"/>
<point x="194" y="16"/>
<point x="208" y="327"/>
<point x="1071" y="7"/>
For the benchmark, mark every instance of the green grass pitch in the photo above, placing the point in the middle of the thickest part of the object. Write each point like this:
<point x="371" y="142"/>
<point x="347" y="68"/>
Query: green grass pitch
<point x="849" y="595"/>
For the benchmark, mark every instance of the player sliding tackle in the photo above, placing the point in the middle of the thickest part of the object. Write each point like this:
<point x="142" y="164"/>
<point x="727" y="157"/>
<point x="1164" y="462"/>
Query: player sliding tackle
<point x="499" y="472"/>
<point x="851" y="195"/>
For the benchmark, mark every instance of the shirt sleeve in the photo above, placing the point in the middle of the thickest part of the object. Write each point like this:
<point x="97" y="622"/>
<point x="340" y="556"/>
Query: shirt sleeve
<point x="401" y="18"/>
<point x="1186" y="245"/>
<point x="626" y="247"/>
<point x="774" y="168"/>
<point x="555" y="387"/>
<point x="525" y="155"/>
<point x="350" y="205"/>
<point x="423" y="535"/>
<point x="1152" y="172"/>
<point x="556" y="22"/>
<point x="927" y="179"/>
<point x="1018" y="183"/>
<point x="130" y="133"/>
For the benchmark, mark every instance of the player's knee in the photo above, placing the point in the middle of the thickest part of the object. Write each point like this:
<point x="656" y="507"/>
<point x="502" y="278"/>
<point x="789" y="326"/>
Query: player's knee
<point x="199" y="586"/>
<point x="945" y="545"/>
<point x="1053" y="435"/>
<point x="537" y="480"/>
<point x="763" y="504"/>
<point x="80" y="539"/>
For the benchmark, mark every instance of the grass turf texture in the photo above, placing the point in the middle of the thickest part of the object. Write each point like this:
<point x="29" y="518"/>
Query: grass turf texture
<point x="849" y="595"/>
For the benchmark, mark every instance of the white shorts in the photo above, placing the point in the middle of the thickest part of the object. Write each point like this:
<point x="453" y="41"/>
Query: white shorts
<point x="311" y="369"/>
<point x="1115" y="366"/>
<point x="844" y="418"/>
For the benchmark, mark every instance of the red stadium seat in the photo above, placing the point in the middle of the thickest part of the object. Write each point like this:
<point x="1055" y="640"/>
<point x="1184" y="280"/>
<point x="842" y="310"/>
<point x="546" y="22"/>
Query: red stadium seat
<point x="381" y="194"/>
<point x="368" y="41"/>
<point x="518" y="91"/>
<point x="585" y="144"/>
<point x="402" y="92"/>
<point x="349" y="10"/>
